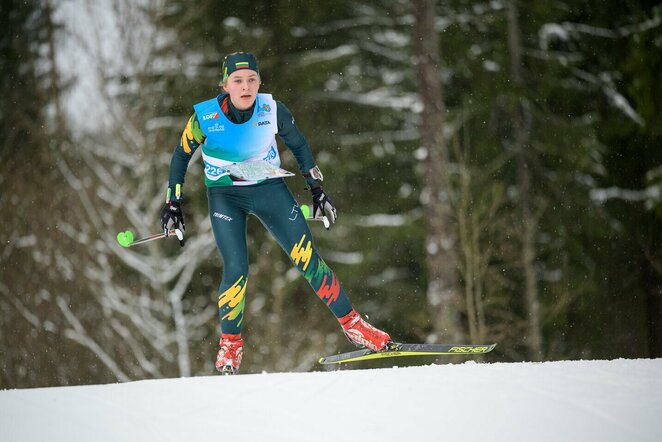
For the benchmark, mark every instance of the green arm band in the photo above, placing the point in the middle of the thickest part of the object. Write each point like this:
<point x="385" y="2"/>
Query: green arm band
<point x="178" y="193"/>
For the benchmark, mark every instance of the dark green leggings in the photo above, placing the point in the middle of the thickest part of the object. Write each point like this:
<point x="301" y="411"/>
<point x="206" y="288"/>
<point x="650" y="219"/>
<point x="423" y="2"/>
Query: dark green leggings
<point x="274" y="205"/>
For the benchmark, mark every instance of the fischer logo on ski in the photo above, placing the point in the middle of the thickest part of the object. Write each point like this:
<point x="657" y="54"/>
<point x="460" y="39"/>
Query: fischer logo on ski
<point x="467" y="349"/>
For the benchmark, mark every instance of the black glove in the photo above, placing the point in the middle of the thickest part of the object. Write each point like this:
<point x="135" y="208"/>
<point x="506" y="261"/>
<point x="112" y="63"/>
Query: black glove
<point x="173" y="218"/>
<point x="322" y="205"/>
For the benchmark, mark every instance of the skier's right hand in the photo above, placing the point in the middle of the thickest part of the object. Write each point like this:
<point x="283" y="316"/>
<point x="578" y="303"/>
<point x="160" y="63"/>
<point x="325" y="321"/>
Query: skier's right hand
<point x="173" y="218"/>
<point x="323" y="207"/>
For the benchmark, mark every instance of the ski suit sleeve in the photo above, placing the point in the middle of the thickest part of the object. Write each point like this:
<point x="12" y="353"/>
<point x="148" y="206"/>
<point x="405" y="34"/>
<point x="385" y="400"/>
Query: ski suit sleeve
<point x="190" y="140"/>
<point x="296" y="142"/>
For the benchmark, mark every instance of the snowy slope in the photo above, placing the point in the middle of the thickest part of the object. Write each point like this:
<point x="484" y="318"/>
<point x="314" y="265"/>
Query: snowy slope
<point x="556" y="401"/>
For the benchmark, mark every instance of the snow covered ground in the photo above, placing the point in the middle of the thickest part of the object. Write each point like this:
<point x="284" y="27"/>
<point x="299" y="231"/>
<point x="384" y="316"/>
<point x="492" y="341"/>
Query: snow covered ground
<point x="617" y="400"/>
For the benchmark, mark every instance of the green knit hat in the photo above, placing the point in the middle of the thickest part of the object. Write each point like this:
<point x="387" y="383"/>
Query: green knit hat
<point x="237" y="61"/>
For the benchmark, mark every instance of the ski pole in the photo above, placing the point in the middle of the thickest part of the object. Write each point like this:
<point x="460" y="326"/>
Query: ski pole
<point x="305" y="211"/>
<point x="125" y="239"/>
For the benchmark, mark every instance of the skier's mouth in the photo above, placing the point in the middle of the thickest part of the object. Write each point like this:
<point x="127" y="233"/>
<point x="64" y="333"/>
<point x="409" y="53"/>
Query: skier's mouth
<point x="246" y="96"/>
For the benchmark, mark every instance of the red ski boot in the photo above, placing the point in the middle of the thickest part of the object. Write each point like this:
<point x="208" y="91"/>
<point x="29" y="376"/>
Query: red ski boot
<point x="229" y="356"/>
<point x="363" y="334"/>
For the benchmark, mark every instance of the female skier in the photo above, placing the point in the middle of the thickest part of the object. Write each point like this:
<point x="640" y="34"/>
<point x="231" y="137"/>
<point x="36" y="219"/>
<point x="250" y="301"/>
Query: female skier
<point x="240" y="125"/>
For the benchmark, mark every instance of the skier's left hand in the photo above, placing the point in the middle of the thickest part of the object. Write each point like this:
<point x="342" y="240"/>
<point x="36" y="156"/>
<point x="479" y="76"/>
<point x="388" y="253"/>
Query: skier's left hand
<point x="323" y="205"/>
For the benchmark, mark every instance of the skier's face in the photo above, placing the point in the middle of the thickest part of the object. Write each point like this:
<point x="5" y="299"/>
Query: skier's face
<point x="242" y="86"/>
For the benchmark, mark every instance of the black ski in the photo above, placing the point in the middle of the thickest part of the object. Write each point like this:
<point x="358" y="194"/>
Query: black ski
<point x="398" y="350"/>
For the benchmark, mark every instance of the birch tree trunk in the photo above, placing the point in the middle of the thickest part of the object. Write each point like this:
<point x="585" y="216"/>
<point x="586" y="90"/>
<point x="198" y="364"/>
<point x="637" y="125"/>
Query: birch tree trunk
<point x="444" y="294"/>
<point x="529" y="222"/>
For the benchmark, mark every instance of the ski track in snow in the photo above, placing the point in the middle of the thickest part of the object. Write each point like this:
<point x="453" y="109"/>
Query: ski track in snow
<point x="565" y="401"/>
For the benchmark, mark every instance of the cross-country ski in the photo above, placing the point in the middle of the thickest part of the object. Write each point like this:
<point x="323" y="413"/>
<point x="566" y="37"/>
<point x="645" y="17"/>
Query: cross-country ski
<point x="395" y="350"/>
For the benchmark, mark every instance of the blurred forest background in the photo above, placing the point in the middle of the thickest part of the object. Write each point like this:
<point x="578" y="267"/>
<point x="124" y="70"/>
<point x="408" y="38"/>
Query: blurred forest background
<point x="497" y="167"/>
